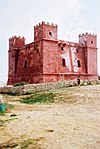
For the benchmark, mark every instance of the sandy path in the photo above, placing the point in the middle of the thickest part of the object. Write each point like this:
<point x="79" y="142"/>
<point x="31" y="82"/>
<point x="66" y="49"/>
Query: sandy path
<point x="56" y="126"/>
<point x="59" y="126"/>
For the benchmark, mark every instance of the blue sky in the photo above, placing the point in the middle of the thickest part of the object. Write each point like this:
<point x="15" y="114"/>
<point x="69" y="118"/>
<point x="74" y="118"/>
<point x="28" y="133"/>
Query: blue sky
<point x="18" y="17"/>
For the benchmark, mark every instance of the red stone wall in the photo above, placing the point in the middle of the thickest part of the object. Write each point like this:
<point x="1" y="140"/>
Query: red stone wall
<point x="64" y="53"/>
<point x="92" y="61"/>
<point x="90" y="41"/>
<point x="43" y="30"/>
<point x="33" y="57"/>
<point x="50" y="31"/>
<point x="71" y="52"/>
<point x="29" y="64"/>
<point x="50" y="57"/>
<point x="15" y="43"/>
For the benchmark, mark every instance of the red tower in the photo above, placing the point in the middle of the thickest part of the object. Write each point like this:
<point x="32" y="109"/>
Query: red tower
<point x="15" y="43"/>
<point x="90" y="42"/>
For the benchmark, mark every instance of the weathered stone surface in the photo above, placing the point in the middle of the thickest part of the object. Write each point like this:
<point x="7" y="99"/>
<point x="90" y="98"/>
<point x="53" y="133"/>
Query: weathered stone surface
<point x="48" y="59"/>
<point x="44" y="86"/>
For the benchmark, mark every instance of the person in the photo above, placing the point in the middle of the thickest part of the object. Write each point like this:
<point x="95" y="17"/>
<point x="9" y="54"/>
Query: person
<point x="78" y="81"/>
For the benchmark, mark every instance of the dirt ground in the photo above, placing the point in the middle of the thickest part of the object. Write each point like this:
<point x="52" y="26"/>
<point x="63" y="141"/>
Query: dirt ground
<point x="72" y="122"/>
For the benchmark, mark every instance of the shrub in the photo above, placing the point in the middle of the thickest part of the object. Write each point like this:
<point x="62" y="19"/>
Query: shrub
<point x="89" y="82"/>
<point x="19" y="84"/>
<point x="39" y="98"/>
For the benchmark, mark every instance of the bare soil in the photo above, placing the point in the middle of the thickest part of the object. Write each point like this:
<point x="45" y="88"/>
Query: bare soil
<point x="72" y="122"/>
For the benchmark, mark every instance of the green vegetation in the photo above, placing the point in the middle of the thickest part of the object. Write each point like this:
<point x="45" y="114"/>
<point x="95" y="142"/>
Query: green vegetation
<point x="22" y="145"/>
<point x="19" y="84"/>
<point x="25" y="144"/>
<point x="12" y="94"/>
<point x="2" y="113"/>
<point x="12" y="145"/>
<point x="63" y="95"/>
<point x="39" y="98"/>
<point x="7" y="120"/>
<point x="2" y="122"/>
<point x="9" y="106"/>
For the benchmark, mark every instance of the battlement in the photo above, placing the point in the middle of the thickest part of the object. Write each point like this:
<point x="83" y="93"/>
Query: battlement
<point x="87" y="34"/>
<point x="43" y="23"/>
<point x="45" y="30"/>
<point x="88" y="39"/>
<point x="15" y="37"/>
<point x="16" y="42"/>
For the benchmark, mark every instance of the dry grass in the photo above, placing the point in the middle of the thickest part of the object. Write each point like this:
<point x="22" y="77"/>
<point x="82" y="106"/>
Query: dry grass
<point x="72" y="121"/>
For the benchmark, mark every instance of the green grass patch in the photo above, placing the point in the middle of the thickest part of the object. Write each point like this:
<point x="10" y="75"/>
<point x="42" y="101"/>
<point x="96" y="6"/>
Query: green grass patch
<point x="20" y="83"/>
<point x="25" y="144"/>
<point x="2" y="113"/>
<point x="22" y="145"/>
<point x="9" y="106"/>
<point x="9" y="146"/>
<point x="39" y="98"/>
<point x="12" y="94"/>
<point x="2" y="122"/>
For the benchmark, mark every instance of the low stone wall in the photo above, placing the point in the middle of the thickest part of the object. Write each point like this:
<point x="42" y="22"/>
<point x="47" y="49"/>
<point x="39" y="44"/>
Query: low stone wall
<point x="43" y="86"/>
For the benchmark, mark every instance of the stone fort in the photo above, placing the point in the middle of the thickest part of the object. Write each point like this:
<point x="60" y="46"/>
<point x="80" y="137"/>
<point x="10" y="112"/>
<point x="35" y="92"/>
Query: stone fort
<point x="48" y="59"/>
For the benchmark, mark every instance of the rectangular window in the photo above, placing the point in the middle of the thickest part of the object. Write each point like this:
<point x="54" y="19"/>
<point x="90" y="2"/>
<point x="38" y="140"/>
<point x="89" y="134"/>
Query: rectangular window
<point x="78" y="63"/>
<point x="25" y="64"/>
<point x="63" y="62"/>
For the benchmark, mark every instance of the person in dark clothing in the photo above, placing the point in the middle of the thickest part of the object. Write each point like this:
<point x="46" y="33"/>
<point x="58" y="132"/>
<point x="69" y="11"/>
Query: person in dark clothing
<point x="78" y="81"/>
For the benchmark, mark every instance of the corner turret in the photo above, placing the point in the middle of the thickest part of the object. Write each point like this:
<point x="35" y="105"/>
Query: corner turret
<point x="88" y="40"/>
<point x="16" y="42"/>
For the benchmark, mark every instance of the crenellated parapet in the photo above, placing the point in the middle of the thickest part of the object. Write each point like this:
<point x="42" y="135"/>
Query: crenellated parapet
<point x="44" y="23"/>
<point x="16" y="42"/>
<point x="87" y="34"/>
<point x="88" y="40"/>
<point x="45" y="30"/>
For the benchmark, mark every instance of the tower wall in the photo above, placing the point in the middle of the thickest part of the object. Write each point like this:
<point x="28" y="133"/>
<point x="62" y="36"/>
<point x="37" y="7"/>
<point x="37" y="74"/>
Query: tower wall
<point x="50" y="60"/>
<point x="47" y="34"/>
<point x="45" y="30"/>
<point x="90" y="42"/>
<point x="15" y="43"/>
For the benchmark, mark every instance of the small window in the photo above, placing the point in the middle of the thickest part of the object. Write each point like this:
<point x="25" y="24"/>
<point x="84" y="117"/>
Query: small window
<point x="77" y="51"/>
<point x="62" y="48"/>
<point x="63" y="62"/>
<point x="50" y="33"/>
<point x="25" y="64"/>
<point x="78" y="63"/>
<point x="92" y="42"/>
